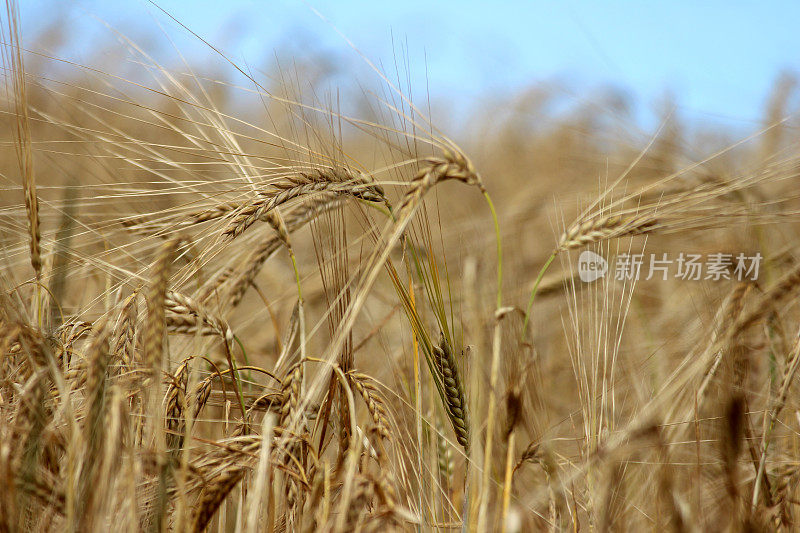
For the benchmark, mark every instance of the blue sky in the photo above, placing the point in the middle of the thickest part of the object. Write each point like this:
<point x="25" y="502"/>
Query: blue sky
<point x="718" y="58"/>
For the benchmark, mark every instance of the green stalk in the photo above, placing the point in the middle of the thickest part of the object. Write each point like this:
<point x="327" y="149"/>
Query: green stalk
<point x="533" y="292"/>
<point x="499" y="250"/>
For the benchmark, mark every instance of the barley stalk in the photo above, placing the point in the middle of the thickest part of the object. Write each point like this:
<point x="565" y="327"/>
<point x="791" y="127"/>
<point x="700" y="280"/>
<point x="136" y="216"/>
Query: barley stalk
<point x="94" y="428"/>
<point x="22" y="133"/>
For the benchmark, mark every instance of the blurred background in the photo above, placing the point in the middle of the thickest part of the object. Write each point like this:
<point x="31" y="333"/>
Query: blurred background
<point x="711" y="62"/>
<point x="143" y="114"/>
<point x="550" y="100"/>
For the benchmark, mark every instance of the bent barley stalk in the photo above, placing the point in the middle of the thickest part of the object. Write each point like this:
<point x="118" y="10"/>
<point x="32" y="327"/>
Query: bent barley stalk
<point x="453" y="166"/>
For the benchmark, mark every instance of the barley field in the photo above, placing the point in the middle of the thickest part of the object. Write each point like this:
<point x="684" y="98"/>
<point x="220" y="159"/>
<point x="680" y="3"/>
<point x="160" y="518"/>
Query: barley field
<point x="253" y="303"/>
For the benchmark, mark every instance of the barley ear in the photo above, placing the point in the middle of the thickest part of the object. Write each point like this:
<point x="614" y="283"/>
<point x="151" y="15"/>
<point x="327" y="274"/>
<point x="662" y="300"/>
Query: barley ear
<point x="453" y="389"/>
<point x="156" y="315"/>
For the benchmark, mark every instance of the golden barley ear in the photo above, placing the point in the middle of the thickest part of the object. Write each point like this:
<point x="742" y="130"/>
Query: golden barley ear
<point x="15" y="66"/>
<point x="125" y="345"/>
<point x="175" y="401"/>
<point x="156" y="311"/>
<point x="453" y="166"/>
<point x="606" y="227"/>
<point x="374" y="401"/>
<point x="232" y="283"/>
<point x="331" y="180"/>
<point x="212" y="496"/>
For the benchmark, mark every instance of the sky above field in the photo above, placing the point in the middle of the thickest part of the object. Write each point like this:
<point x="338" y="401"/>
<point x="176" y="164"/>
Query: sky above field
<point x="718" y="58"/>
